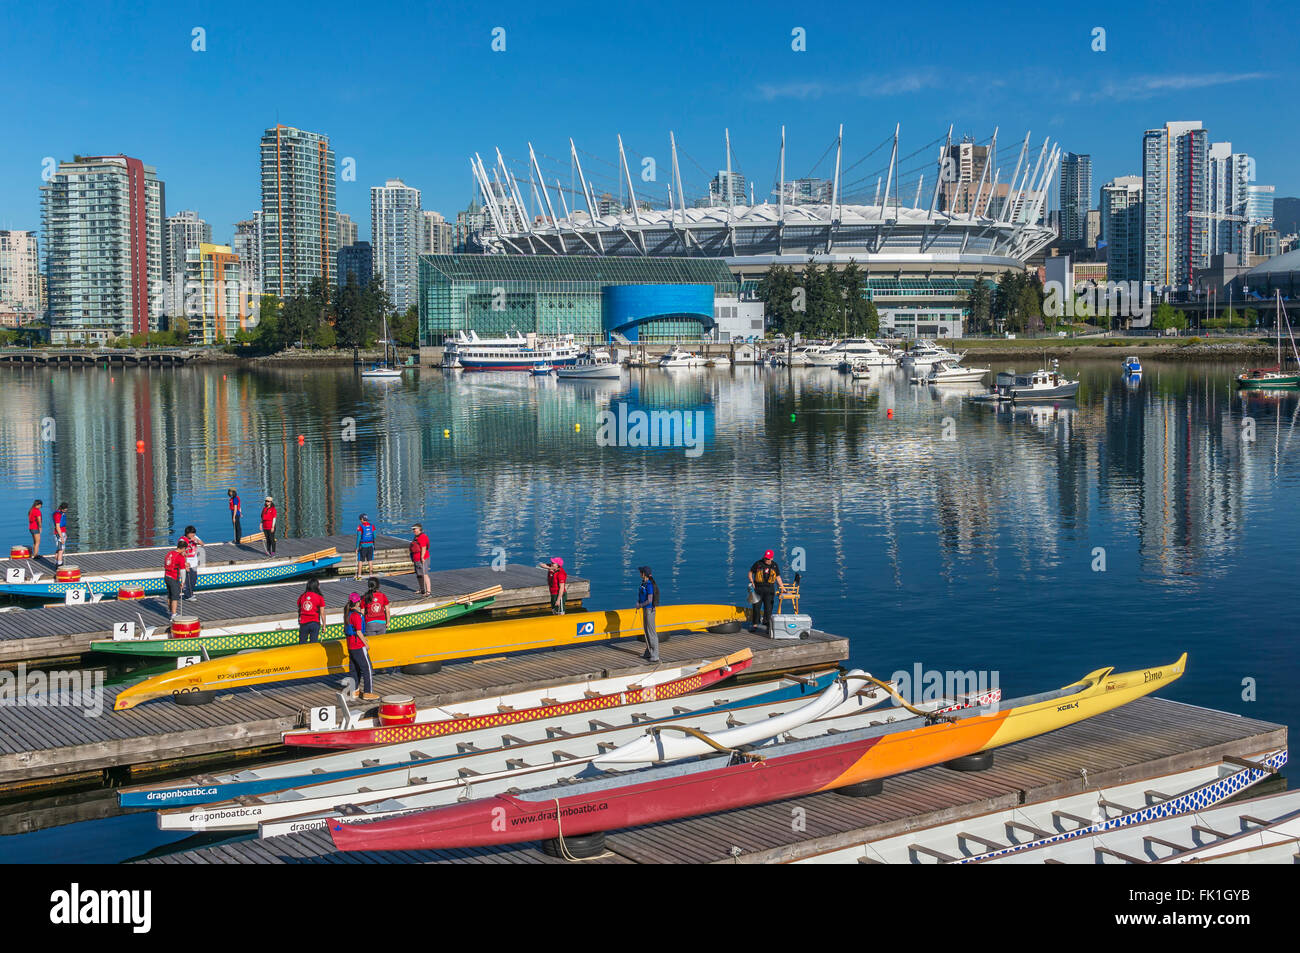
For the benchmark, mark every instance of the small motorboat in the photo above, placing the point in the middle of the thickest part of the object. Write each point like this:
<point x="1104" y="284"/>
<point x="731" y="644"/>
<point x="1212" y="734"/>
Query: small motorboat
<point x="542" y="370"/>
<point x="1132" y="365"/>
<point x="719" y="361"/>
<point x="949" y="372"/>
<point x="381" y="372"/>
<point x="678" y="357"/>
<point x="1042" y="384"/>
<point x="593" y="365"/>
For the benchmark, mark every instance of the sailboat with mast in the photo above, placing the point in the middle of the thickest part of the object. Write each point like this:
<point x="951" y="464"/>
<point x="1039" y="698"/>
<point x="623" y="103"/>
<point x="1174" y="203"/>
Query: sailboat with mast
<point x="1275" y="378"/>
<point x="385" y="370"/>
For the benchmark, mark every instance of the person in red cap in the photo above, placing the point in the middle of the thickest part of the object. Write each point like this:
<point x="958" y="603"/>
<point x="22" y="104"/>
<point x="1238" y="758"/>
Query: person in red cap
<point x="764" y="576"/>
<point x="558" y="580"/>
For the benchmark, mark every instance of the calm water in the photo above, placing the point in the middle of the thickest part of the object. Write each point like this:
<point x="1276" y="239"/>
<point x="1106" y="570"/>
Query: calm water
<point x="975" y="552"/>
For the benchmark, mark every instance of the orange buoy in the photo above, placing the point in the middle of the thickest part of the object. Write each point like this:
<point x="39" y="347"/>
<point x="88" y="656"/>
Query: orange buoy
<point x="139" y="446"/>
<point x="301" y="440"/>
<point x="20" y="552"/>
<point x="67" y="574"/>
<point x="397" y="710"/>
<point x="185" y="627"/>
<point x="130" y="593"/>
<point x="890" y="413"/>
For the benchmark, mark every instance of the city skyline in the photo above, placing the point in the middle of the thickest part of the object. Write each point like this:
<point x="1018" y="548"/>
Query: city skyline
<point x="1142" y="78"/>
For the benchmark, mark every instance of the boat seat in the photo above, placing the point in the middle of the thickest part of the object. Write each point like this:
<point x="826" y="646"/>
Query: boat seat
<point x="550" y="701"/>
<point x="1079" y="822"/>
<point x="420" y="780"/>
<point x="514" y="764"/>
<point x="1176" y="848"/>
<point x="1122" y="808"/>
<point x="555" y="731"/>
<point x="868" y="860"/>
<point x="931" y="852"/>
<point x="733" y="722"/>
<point x="1155" y="797"/>
<point x="1257" y="821"/>
<point x="680" y="710"/>
<point x="467" y="773"/>
<point x="558" y="755"/>
<point x="1053" y="860"/>
<point x="417" y="756"/>
<point x="1202" y="829"/>
<point x="350" y="810"/>
<point x="639" y="716"/>
<point x="507" y="740"/>
<point x="505" y="709"/>
<point x="369" y="762"/>
<point x="463" y="746"/>
<point x="597" y="725"/>
<point x="590" y="694"/>
<point x="603" y="746"/>
<point x="1127" y="858"/>
<point x="986" y="842"/>
<point x="317" y="770"/>
<point x="1034" y="832"/>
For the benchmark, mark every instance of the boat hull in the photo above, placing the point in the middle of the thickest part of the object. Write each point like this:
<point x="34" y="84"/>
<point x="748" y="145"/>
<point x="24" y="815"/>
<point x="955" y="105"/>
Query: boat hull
<point x="1063" y="392"/>
<point x="391" y="734"/>
<point x="1284" y="382"/>
<point x="422" y="646"/>
<point x="151" y="583"/>
<point x="284" y="632"/>
<point x="601" y="372"/>
<point x="690" y="789"/>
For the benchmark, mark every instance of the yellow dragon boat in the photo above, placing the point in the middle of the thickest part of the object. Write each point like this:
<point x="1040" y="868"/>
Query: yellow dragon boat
<point x="422" y="647"/>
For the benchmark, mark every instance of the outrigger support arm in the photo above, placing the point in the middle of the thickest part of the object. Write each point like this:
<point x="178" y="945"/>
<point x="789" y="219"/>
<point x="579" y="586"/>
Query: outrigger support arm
<point x="696" y="733"/>
<point x="929" y="716"/>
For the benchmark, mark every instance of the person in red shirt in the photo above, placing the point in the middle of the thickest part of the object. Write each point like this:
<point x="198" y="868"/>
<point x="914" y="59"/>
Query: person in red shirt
<point x="34" y="527"/>
<point x="268" y="525"/>
<point x="173" y="566"/>
<point x="377" y="613"/>
<point x="559" y="583"/>
<point x="310" y="604"/>
<point x="60" y="533"/>
<point x="193" y="549"/>
<point x="420" y="559"/>
<point x="354" y="628"/>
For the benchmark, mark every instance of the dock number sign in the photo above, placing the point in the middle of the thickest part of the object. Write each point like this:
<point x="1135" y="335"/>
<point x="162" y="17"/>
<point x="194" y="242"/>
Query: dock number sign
<point x="123" y="630"/>
<point x="587" y="628"/>
<point x="74" y="597"/>
<point x="14" y="575"/>
<point x="323" y="717"/>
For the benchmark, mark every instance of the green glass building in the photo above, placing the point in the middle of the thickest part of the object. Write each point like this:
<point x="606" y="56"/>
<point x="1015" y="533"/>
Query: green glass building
<point x="496" y="295"/>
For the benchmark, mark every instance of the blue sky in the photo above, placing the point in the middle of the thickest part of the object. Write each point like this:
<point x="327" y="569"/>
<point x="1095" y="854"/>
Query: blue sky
<point x="412" y="91"/>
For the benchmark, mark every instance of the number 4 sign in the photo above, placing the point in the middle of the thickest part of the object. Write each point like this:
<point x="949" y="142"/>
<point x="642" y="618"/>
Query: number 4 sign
<point x="123" y="630"/>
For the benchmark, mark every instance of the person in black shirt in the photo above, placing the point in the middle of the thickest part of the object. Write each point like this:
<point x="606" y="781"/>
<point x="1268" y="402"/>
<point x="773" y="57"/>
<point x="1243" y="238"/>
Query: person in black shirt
<point x="765" y="576"/>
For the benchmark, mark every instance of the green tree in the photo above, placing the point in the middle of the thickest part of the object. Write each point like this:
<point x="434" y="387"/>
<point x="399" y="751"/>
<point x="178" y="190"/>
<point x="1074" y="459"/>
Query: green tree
<point x="405" y="330"/>
<point x="978" y="305"/>
<point x="1167" y="316"/>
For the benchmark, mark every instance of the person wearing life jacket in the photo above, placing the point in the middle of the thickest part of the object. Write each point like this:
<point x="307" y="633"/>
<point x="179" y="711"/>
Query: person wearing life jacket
<point x="365" y="547"/>
<point x="60" y="533"/>
<point x="558" y="581"/>
<point x="420" y="559"/>
<point x="764" y="576"/>
<point x="34" y="527"/>
<point x="376" y="609"/>
<point x="354" y="629"/>
<point x="268" y="525"/>
<point x="173" y="566"/>
<point x="236" y="514"/>
<point x="193" y="546"/>
<point x="310" y="605"/>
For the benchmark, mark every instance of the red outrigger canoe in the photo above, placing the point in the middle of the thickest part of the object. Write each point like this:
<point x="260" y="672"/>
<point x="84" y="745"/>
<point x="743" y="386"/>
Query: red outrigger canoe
<point x="595" y="801"/>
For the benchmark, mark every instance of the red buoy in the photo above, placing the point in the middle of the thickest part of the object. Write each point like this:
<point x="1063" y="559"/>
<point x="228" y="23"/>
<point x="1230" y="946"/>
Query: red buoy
<point x="301" y="440"/>
<point x="139" y="446"/>
<point x="890" y="413"/>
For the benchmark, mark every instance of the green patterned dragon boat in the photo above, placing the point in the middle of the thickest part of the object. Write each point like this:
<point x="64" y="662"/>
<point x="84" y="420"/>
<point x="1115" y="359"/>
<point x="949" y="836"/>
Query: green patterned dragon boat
<point x="230" y="639"/>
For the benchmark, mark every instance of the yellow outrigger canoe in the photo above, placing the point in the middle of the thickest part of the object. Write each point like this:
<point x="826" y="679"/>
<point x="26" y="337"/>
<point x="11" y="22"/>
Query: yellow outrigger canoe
<point x="423" y="647"/>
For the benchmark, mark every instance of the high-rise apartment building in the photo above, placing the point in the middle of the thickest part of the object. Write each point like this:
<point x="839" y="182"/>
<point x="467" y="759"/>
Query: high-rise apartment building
<point x="727" y="188"/>
<point x="1175" y="201"/>
<point x="1092" y="228"/>
<point x="181" y="232"/>
<point x="1076" y="196"/>
<point x="961" y="170"/>
<point x="20" y="275"/>
<point x="356" y="263"/>
<point x="216" y="297"/>
<point x="300" y="238"/>
<point x="1121" y="227"/>
<point x="396" y="231"/>
<point x="247" y="244"/>
<point x="347" y="230"/>
<point x="103" y="221"/>
<point x="437" y="236"/>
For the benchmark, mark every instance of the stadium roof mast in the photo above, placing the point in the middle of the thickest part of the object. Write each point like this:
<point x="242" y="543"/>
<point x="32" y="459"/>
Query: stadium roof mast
<point x="780" y="201"/>
<point x="586" y="196"/>
<point x="1024" y="150"/>
<point x="979" y="192"/>
<point x="550" y="209"/>
<point x="636" y="212"/>
<point x="835" y="192"/>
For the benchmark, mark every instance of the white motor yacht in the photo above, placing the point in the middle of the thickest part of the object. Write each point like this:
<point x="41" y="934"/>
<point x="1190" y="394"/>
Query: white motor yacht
<point x="678" y="357"/>
<point x="925" y="354"/>
<point x="948" y="372"/>
<point x="592" y="365"/>
<point x="854" y="351"/>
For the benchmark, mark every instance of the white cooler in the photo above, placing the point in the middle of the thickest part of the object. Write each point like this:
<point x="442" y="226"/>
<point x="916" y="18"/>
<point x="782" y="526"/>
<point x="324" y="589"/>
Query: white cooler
<point x="790" y="626"/>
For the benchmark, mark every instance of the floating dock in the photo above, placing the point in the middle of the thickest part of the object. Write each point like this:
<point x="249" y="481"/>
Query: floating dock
<point x="1149" y="737"/>
<point x="65" y="631"/>
<point x="62" y="742"/>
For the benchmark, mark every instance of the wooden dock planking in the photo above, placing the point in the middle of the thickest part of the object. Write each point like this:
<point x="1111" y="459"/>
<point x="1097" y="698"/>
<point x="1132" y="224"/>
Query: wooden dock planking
<point x="60" y="631"/>
<point x="58" y="741"/>
<point x="1151" y="736"/>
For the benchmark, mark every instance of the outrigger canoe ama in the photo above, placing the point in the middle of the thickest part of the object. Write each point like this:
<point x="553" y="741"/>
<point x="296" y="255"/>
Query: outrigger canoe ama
<point x="423" y="646"/>
<point x="150" y="581"/>
<point x="595" y="801"/>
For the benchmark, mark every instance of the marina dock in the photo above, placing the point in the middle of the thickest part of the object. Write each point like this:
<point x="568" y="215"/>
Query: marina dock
<point x="62" y="743"/>
<point x="65" y="631"/>
<point x="1149" y="737"/>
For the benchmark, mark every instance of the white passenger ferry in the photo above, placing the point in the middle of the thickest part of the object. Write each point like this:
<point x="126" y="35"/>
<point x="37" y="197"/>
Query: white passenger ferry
<point x="517" y="352"/>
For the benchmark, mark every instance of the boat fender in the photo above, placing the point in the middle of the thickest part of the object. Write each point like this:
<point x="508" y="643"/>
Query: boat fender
<point x="971" y="762"/>
<point x="862" y="788"/>
<point x="580" y="846"/>
<point x="422" y="668"/>
<point x="725" y="628"/>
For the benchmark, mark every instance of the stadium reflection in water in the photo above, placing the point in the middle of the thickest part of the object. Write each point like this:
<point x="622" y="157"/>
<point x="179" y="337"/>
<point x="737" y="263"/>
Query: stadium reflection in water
<point x="1135" y="521"/>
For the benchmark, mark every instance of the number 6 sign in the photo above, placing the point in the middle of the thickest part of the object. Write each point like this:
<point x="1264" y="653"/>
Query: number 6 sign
<point x="323" y="717"/>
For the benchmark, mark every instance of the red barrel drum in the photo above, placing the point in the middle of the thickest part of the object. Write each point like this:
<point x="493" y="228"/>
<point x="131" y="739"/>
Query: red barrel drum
<point x="20" y="552"/>
<point x="67" y="574"/>
<point x="185" y="627"/>
<point x="397" y="710"/>
<point x="130" y="593"/>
